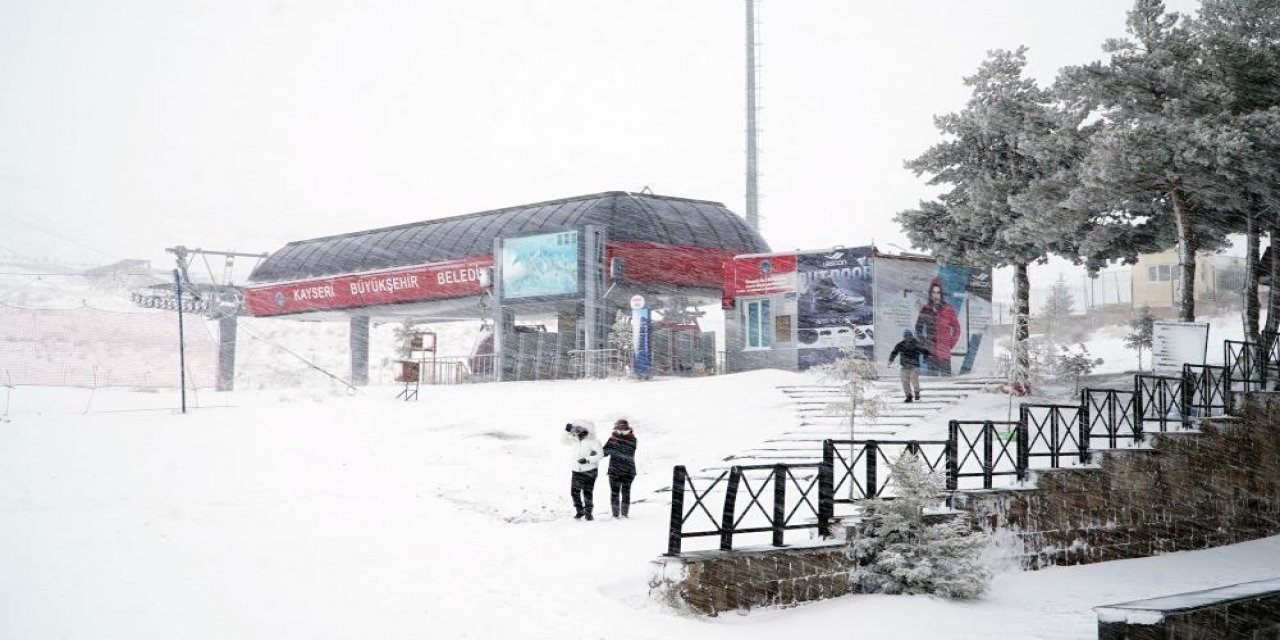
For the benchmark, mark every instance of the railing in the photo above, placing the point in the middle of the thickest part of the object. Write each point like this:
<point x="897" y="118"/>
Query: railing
<point x="1109" y="414"/>
<point x="457" y="370"/>
<point x="1161" y="401"/>
<point x="1246" y="367"/>
<point x="995" y="448"/>
<point x="597" y="363"/>
<point x="1054" y="431"/>
<point x="1206" y="390"/>
<point x="1061" y="434"/>
<point x="750" y="514"/>
<point x="858" y="475"/>
<point x="682" y="486"/>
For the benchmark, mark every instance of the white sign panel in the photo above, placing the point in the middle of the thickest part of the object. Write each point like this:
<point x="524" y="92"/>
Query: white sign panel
<point x="1175" y="343"/>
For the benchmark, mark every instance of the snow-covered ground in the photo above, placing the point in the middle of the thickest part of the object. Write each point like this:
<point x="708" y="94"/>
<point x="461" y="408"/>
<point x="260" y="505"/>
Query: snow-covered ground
<point x="311" y="513"/>
<point x="293" y="509"/>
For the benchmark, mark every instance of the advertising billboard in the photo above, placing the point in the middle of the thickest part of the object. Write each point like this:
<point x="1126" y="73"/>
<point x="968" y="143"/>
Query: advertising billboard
<point x="542" y="265"/>
<point x="946" y="307"/>
<point x="835" y="304"/>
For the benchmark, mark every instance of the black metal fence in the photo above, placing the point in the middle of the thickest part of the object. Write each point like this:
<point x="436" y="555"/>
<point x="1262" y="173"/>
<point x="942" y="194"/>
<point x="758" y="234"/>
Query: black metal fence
<point x="772" y="498"/>
<point x="781" y="497"/>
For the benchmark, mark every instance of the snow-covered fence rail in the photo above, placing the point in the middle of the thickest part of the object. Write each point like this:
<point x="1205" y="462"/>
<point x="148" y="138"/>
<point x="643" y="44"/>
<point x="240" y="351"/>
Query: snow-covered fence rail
<point x="756" y="499"/>
<point x="860" y="468"/>
<point x="1246" y="366"/>
<point x="1055" y="432"/>
<point x="1045" y="435"/>
<point x="1109" y="415"/>
<point x="1206" y="389"/>
<point x="985" y="449"/>
<point x="1161" y="401"/>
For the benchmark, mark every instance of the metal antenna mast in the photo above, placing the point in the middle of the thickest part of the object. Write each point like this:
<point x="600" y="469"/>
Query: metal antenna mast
<point x="753" y="204"/>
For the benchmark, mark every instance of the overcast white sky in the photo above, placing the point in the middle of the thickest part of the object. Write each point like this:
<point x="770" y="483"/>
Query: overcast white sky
<point x="129" y="126"/>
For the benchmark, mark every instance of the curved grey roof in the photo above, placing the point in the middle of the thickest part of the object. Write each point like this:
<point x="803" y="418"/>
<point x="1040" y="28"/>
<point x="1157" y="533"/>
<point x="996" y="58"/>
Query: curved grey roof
<point x="630" y="217"/>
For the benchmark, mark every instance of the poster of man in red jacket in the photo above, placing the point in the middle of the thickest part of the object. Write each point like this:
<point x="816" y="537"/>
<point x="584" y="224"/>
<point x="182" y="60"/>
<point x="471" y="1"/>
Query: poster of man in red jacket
<point x="938" y="329"/>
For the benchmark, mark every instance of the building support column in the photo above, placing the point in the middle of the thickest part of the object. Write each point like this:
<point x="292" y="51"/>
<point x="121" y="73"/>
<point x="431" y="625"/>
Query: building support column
<point x="360" y="351"/>
<point x="226" y="353"/>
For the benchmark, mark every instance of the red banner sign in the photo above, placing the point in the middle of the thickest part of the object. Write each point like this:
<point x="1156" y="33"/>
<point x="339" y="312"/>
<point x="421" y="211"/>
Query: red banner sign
<point x="761" y="275"/>
<point x="452" y="279"/>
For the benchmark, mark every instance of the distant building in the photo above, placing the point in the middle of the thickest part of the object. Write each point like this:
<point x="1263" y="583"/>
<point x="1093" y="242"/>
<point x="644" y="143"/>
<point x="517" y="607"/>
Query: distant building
<point x="1155" y="278"/>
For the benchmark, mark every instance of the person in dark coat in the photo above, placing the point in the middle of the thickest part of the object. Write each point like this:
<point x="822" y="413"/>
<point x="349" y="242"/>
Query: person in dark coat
<point x="909" y="351"/>
<point x="621" y="450"/>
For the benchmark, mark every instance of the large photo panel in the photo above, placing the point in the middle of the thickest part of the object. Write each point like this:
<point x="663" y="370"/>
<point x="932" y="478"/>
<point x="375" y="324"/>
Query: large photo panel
<point x="834" y="305"/>
<point x="946" y="307"/>
<point x="541" y="265"/>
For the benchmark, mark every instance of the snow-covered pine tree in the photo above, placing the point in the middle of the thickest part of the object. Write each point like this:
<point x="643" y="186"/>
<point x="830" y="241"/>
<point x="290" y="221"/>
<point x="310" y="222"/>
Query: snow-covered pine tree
<point x="1151" y="175"/>
<point x="1141" y="334"/>
<point x="995" y="150"/>
<point x="855" y="374"/>
<point x="896" y="550"/>
<point x="1059" y="304"/>
<point x="404" y="337"/>
<point x="1075" y="364"/>
<point x="1240" y="40"/>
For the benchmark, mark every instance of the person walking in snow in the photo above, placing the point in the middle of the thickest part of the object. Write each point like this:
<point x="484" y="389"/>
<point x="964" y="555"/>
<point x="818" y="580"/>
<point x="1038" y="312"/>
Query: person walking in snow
<point x="580" y="436"/>
<point x="909" y="351"/>
<point x="621" y="449"/>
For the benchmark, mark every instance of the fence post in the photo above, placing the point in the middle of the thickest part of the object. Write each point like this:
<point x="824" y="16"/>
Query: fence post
<point x="1229" y="366"/>
<point x="1024" y="444"/>
<point x="677" y="511"/>
<point x="1082" y="432"/>
<point x="953" y="455"/>
<point x="872" y="451"/>
<point x="779" y="503"/>
<point x="826" y="489"/>
<point x="1139" y="430"/>
<point x="1055" y="450"/>
<point x="988" y="432"/>
<point x="1084" y="428"/>
<point x="1189" y="386"/>
<point x="730" y="505"/>
<point x="1224" y="381"/>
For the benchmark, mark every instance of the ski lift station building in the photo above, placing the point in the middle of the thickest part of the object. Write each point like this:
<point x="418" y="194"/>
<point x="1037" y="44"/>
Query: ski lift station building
<point x="581" y="259"/>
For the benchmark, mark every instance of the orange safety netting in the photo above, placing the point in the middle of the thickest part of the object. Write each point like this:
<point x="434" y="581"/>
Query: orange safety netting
<point x="88" y="347"/>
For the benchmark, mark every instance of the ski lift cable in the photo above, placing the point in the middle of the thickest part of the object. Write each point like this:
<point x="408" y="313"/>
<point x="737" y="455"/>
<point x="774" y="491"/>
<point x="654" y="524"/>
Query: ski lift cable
<point x="351" y="388"/>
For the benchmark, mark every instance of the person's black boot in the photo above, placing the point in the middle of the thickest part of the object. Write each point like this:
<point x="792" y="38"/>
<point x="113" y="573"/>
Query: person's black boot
<point x="917" y="397"/>
<point x="589" y="518"/>
<point x="908" y="398"/>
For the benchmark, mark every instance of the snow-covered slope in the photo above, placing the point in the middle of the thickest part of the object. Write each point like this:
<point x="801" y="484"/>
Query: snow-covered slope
<point x="310" y="513"/>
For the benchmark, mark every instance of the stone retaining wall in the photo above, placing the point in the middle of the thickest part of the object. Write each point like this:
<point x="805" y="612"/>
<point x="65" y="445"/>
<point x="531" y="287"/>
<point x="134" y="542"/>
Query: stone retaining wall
<point x="709" y="582"/>
<point x="1218" y="486"/>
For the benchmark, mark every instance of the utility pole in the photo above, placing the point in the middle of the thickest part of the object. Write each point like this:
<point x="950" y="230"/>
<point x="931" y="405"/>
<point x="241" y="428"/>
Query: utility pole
<point x="182" y="350"/>
<point x="752" y="195"/>
<point x="222" y="301"/>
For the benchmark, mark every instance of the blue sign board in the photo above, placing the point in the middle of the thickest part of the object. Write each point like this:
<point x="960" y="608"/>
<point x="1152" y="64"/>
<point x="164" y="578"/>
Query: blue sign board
<point x="540" y="265"/>
<point x="643" y="342"/>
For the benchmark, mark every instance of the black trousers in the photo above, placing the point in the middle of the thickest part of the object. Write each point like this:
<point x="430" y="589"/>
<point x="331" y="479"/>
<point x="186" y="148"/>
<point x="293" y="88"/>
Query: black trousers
<point x="620" y="494"/>
<point x="581" y="487"/>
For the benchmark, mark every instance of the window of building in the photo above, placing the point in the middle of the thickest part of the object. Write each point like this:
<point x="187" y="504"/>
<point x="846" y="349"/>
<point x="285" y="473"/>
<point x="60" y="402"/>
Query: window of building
<point x="759" y="321"/>
<point x="1160" y="273"/>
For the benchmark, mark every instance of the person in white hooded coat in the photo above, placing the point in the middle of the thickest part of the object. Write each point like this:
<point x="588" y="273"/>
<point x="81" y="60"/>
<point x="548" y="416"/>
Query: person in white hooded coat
<point x="580" y="435"/>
